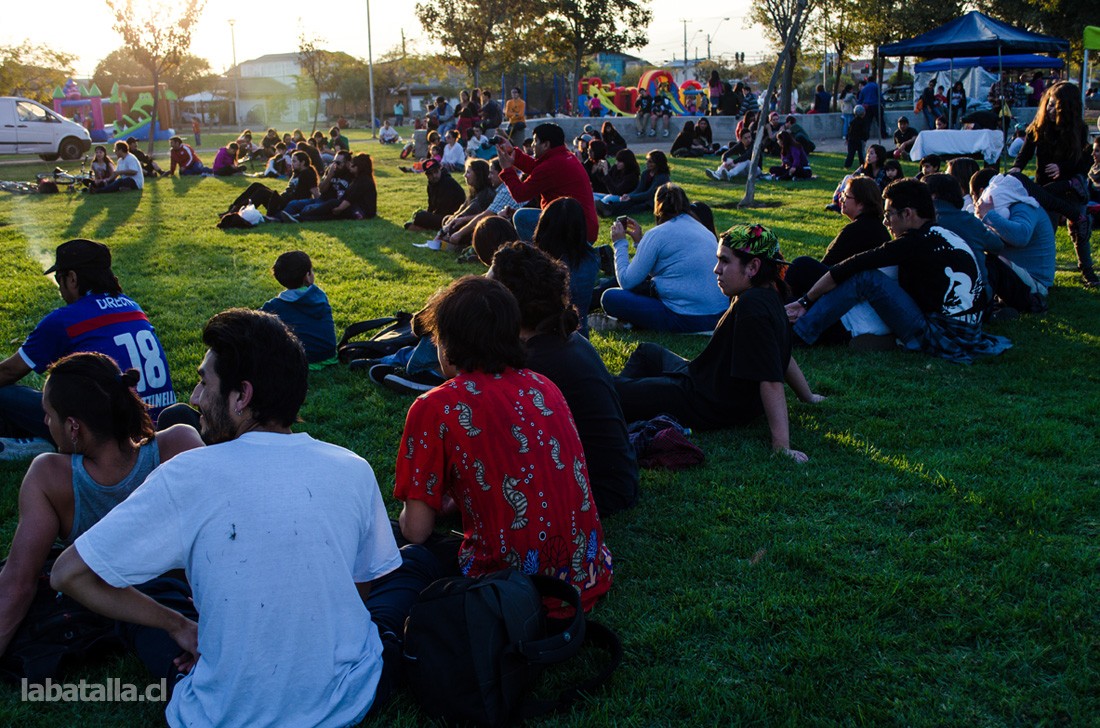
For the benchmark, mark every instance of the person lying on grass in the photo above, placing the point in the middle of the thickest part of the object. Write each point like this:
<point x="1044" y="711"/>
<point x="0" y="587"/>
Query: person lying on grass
<point x="107" y="448"/>
<point x="739" y="375"/>
<point x="301" y="186"/>
<point x="498" y="442"/>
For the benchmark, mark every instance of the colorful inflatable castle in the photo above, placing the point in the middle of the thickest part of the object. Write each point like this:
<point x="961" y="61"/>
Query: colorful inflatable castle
<point x="86" y="106"/>
<point x="82" y="105"/>
<point x="619" y="100"/>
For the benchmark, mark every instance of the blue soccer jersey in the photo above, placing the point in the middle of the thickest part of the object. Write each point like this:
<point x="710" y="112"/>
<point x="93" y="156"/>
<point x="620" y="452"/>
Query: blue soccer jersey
<point x="111" y="325"/>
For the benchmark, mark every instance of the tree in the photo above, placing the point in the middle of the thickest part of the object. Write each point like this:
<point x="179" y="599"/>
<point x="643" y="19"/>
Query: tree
<point x="840" y="29"/>
<point x="469" y="28"/>
<point x="1059" y="18"/>
<point x="784" y="57"/>
<point x="584" y="27"/>
<point x="158" y="38"/>
<point x="190" y="75"/>
<point x="33" y="71"/>
<point x="319" y="67"/>
<point x="778" y="18"/>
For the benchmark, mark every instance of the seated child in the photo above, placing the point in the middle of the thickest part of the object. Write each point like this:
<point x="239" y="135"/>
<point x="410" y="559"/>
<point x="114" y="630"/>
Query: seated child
<point x="304" y="308"/>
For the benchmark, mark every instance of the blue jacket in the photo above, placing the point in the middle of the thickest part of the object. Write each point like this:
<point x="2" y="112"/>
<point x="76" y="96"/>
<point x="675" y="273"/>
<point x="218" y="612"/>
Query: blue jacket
<point x="306" y="311"/>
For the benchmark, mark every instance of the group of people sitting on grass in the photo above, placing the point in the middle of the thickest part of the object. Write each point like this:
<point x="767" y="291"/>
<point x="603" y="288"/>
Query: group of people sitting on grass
<point x="785" y="139"/>
<point x="521" y="443"/>
<point x="524" y="446"/>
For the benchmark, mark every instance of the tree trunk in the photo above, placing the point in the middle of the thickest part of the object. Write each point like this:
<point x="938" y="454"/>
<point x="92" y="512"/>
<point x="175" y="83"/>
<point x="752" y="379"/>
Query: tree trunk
<point x="573" y="91"/>
<point x="836" y="82"/>
<point x="750" y="185"/>
<point x="316" y="110"/>
<point x="788" y="81"/>
<point x="153" y="113"/>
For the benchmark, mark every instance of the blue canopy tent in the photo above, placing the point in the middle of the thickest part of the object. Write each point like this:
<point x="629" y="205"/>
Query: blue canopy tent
<point x="975" y="34"/>
<point x="1025" y="60"/>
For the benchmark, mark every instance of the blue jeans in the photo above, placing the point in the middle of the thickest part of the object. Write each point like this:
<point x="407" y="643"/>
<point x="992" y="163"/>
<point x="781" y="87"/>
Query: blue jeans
<point x="890" y="301"/>
<point x="647" y="312"/>
<point x="390" y="599"/>
<point x="21" y="413"/>
<point x="929" y="117"/>
<point x="195" y="168"/>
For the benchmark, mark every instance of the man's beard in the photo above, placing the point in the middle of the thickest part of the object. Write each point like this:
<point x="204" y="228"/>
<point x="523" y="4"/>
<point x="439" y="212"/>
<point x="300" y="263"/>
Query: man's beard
<point x="216" y="425"/>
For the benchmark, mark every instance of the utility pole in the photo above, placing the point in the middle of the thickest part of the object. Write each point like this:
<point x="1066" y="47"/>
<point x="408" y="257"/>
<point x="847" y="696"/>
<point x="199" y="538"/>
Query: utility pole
<point x="236" y="76"/>
<point x="370" y="74"/>
<point x="403" y="53"/>
<point x="685" y="48"/>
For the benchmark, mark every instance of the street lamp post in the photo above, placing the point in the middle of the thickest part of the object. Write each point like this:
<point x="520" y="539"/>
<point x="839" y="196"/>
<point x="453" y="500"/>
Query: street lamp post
<point x="715" y="35"/>
<point x="370" y="76"/>
<point x="236" y="74"/>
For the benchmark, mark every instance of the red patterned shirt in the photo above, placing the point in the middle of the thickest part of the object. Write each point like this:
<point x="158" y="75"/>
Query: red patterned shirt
<point x="504" y="446"/>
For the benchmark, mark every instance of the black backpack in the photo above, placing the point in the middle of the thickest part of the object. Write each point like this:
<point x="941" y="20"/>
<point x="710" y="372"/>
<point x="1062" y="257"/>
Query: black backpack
<point x="396" y="335"/>
<point x="57" y="629"/>
<point x="475" y="647"/>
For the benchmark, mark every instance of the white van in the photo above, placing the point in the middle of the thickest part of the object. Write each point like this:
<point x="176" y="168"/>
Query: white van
<point x="28" y="127"/>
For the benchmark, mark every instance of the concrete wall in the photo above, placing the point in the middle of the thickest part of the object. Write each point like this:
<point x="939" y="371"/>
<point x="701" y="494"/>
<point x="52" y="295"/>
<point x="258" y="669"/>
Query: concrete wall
<point x="818" y="126"/>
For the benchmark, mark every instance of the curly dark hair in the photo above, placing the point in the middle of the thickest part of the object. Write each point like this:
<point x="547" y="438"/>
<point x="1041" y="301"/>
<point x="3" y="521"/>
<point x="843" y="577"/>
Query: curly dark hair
<point x="540" y="285"/>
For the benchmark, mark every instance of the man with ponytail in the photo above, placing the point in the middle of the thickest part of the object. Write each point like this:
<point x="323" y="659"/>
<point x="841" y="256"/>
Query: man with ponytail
<point x="96" y="317"/>
<point x="740" y="374"/>
<point x="107" y="448"/>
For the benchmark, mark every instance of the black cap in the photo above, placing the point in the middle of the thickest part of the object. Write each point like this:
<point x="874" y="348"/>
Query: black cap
<point x="80" y="254"/>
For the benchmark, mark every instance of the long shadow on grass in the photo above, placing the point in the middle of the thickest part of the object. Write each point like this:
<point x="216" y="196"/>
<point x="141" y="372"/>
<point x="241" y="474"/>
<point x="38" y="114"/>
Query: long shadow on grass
<point x="119" y="208"/>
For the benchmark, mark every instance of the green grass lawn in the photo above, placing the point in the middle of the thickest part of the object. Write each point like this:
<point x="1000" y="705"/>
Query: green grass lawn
<point x="935" y="563"/>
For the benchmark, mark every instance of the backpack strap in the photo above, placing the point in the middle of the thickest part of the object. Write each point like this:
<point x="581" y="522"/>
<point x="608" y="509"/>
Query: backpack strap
<point x="598" y="635"/>
<point x="363" y="326"/>
<point x="566" y="643"/>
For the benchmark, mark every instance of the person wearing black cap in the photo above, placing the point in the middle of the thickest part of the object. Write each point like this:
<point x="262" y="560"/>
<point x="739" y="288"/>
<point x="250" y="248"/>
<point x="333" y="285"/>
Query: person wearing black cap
<point x="445" y="196"/>
<point x="96" y="317"/>
<point x="740" y="374"/>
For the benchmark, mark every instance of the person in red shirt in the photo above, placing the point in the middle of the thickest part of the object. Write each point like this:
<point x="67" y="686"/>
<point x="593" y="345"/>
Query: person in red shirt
<point x="498" y="443"/>
<point x="184" y="157"/>
<point x="551" y="173"/>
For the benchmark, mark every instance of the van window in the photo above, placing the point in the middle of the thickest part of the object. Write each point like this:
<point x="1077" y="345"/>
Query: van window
<point x="32" y="112"/>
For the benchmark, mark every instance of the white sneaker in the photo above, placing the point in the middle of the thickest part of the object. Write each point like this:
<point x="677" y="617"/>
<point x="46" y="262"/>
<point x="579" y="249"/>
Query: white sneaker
<point x="23" y="448"/>
<point x="664" y="133"/>
<point x="653" y="132"/>
<point x="712" y="174"/>
<point x="432" y="244"/>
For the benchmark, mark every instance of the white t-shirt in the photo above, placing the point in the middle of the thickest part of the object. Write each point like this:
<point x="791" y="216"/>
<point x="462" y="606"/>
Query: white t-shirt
<point x="274" y="531"/>
<point x="130" y="162"/>
<point x="454" y="155"/>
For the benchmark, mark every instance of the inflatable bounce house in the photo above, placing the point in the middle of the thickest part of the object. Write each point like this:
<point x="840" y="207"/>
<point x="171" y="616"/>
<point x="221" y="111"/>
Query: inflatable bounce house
<point x="82" y="105"/>
<point x="86" y="106"/>
<point x="619" y="100"/>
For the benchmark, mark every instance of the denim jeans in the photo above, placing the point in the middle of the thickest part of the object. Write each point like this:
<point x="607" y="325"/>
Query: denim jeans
<point x="390" y="599"/>
<point x="647" y="312"/>
<point x="21" y="413"/>
<point x="890" y="301"/>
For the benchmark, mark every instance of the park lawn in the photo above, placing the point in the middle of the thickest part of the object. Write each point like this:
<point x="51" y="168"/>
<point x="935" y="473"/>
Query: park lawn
<point x="934" y="563"/>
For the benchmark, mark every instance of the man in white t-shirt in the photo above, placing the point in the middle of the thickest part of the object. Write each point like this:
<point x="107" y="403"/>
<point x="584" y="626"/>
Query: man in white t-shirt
<point x="127" y="174"/>
<point x="280" y="536"/>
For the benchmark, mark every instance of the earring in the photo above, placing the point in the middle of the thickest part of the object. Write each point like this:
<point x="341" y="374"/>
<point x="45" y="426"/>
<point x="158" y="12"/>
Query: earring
<point x="238" y="413"/>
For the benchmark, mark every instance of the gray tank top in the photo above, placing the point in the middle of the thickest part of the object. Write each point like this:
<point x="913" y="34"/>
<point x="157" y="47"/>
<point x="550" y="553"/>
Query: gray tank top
<point x="92" y="501"/>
